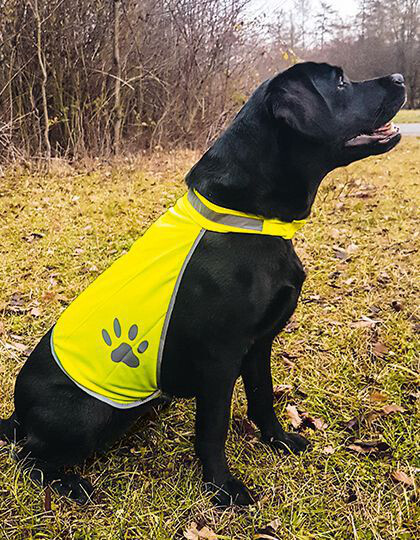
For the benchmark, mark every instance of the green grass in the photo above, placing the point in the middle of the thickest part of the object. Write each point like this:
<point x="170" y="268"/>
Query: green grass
<point x="149" y="486"/>
<point x="408" y="116"/>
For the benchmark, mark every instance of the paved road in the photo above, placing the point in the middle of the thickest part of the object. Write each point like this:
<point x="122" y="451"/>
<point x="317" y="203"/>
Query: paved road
<point x="410" y="129"/>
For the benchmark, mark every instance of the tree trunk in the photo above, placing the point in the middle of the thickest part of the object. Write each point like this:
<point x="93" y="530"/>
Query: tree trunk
<point x="117" y="73"/>
<point x="42" y="65"/>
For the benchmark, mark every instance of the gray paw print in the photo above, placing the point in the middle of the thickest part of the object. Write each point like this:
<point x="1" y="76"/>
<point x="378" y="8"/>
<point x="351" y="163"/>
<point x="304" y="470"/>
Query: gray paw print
<point x="124" y="352"/>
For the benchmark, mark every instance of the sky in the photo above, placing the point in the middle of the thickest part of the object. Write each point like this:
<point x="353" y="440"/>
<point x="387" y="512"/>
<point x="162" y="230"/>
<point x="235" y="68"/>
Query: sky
<point x="344" y="7"/>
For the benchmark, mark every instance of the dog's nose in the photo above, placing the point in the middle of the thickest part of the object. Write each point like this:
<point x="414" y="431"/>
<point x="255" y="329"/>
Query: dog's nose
<point x="397" y="78"/>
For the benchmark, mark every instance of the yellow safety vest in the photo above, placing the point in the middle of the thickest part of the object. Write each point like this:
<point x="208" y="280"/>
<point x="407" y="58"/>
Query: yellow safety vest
<point x="110" y="339"/>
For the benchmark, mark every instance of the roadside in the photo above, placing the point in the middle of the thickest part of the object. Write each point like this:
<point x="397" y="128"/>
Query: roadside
<point x="408" y="116"/>
<point x="410" y="129"/>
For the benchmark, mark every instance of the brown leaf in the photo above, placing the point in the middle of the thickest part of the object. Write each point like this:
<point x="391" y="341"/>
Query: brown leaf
<point x="194" y="533"/>
<point x="368" y="447"/>
<point x="35" y="312"/>
<point x="294" y="416"/>
<point x="49" y="296"/>
<point x="401" y="476"/>
<point x="377" y="396"/>
<point x="341" y="253"/>
<point x="265" y="534"/>
<point x="384" y="278"/>
<point x="379" y="349"/>
<point x="269" y="532"/>
<point x="393" y="408"/>
<point x="275" y="524"/>
<point x="20" y="347"/>
<point x="47" y="500"/>
<point x="291" y="326"/>
<point x="3" y="443"/>
<point x="372" y="416"/>
<point x="352" y="248"/>
<point x="244" y="427"/>
<point x="313" y="423"/>
<point x="365" y="322"/>
<point x="289" y="363"/>
<point x="396" y="305"/>
<point x="328" y="450"/>
<point x="281" y="390"/>
<point x="352" y="424"/>
<point x="315" y="298"/>
<point x="32" y="236"/>
<point x="2" y="330"/>
<point x="351" y="497"/>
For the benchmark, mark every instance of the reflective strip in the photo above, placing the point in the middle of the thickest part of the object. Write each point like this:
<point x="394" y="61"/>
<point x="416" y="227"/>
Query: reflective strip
<point x="115" y="404"/>
<point x="172" y="303"/>
<point x="240" y="222"/>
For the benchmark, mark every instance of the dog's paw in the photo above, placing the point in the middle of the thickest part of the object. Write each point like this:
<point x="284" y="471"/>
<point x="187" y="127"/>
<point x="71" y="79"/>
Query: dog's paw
<point x="290" y="443"/>
<point x="124" y="351"/>
<point x="73" y="487"/>
<point x="231" y="492"/>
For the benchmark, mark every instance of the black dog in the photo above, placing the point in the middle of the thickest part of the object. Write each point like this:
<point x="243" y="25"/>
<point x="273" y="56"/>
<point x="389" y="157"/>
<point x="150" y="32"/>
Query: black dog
<point x="238" y="290"/>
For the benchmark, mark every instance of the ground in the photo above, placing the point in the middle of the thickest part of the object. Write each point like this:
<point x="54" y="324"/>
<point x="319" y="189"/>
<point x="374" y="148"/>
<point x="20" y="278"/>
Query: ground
<point x="408" y="116"/>
<point x="349" y="351"/>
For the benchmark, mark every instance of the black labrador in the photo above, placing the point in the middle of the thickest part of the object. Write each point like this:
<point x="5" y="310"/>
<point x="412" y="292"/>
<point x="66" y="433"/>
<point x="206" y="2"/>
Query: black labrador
<point x="295" y="128"/>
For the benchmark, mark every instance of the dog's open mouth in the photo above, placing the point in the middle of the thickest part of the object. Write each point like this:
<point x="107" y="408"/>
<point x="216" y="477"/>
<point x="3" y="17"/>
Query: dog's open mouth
<point x="380" y="135"/>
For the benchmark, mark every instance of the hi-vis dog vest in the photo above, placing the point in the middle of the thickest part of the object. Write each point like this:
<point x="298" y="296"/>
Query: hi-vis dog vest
<point x="110" y="340"/>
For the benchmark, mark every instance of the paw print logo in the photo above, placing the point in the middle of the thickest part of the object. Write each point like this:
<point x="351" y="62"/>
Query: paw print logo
<point x="124" y="352"/>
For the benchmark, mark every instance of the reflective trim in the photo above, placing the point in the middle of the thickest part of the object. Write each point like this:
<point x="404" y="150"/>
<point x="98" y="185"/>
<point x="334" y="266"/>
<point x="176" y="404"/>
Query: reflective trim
<point x="115" y="404"/>
<point x="172" y="303"/>
<point x="240" y="222"/>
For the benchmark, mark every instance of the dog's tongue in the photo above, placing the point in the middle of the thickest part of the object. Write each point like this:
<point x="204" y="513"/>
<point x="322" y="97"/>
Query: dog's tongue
<point x="382" y="134"/>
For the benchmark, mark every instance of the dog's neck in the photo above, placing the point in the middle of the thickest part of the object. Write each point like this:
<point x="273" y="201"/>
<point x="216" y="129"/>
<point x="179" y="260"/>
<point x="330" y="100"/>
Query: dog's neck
<point x="262" y="175"/>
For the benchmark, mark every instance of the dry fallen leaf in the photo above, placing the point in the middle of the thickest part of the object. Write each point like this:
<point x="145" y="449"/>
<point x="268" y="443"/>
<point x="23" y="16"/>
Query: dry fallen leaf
<point x="328" y="450"/>
<point x="2" y="331"/>
<point x="49" y="296"/>
<point x="32" y="236"/>
<point x="352" y="248"/>
<point x="21" y="347"/>
<point x="313" y="423"/>
<point x="368" y="447"/>
<point x="291" y="326"/>
<point x="377" y="396"/>
<point x="269" y="532"/>
<point x="281" y="390"/>
<point x="294" y="416"/>
<point x="265" y="534"/>
<point x="379" y="349"/>
<point x="396" y="305"/>
<point x="244" y="427"/>
<point x="3" y="443"/>
<point x="401" y="476"/>
<point x="393" y="408"/>
<point x="193" y="533"/>
<point x="340" y="253"/>
<point x="35" y="312"/>
<point x="352" y="424"/>
<point x="47" y="500"/>
<point x="365" y="322"/>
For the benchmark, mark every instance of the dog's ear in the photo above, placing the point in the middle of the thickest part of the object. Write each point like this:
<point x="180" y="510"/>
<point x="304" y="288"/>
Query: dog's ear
<point x="298" y="104"/>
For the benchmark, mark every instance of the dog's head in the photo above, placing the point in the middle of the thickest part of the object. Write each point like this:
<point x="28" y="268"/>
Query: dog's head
<point x="295" y="128"/>
<point x="352" y="118"/>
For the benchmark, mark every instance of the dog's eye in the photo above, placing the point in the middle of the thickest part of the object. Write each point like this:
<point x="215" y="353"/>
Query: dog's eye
<point x="341" y="82"/>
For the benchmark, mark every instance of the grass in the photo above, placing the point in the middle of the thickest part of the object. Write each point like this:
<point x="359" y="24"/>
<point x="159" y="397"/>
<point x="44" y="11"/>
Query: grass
<point x="60" y="230"/>
<point x="408" y="116"/>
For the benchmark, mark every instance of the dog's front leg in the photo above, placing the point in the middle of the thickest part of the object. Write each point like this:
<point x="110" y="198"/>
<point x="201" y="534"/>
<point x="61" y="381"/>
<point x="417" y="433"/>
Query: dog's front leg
<point x="256" y="374"/>
<point x="212" y="422"/>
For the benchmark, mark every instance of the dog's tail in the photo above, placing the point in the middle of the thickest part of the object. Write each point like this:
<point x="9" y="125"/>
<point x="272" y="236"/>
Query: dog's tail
<point x="10" y="430"/>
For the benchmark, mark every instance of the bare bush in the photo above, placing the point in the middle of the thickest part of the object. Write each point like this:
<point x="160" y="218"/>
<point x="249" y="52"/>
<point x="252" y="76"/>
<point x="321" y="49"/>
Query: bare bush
<point x="90" y="76"/>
